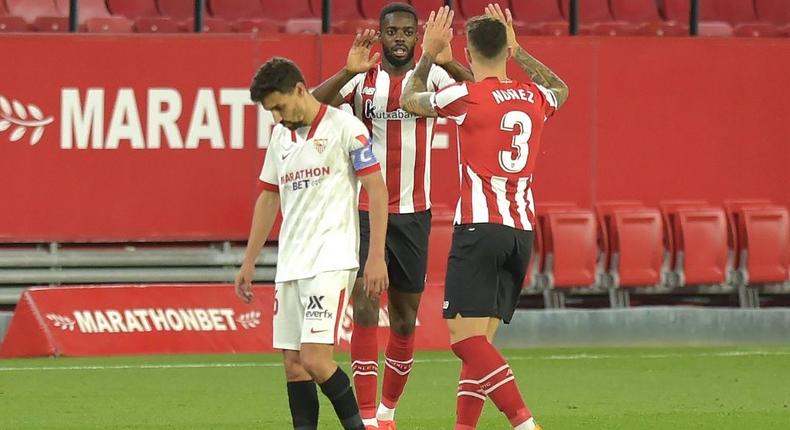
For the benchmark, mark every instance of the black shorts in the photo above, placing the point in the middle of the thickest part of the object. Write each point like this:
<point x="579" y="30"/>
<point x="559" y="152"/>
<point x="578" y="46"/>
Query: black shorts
<point x="406" y="249"/>
<point x="486" y="270"/>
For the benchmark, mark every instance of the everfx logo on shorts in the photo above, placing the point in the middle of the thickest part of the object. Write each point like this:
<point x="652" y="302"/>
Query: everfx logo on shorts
<point x="315" y="309"/>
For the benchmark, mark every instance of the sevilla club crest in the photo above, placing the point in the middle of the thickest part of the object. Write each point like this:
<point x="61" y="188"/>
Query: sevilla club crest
<point x="320" y="145"/>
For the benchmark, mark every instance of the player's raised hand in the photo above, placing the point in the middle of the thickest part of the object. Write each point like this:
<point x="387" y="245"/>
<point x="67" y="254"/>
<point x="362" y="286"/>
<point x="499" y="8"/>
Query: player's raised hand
<point x="376" y="278"/>
<point x="493" y="10"/>
<point x="243" y="284"/>
<point x="359" y="59"/>
<point x="438" y="31"/>
<point x="446" y="55"/>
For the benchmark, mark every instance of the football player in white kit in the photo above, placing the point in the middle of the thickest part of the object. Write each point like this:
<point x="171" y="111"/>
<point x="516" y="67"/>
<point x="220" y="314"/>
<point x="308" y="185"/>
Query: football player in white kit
<point x="316" y="158"/>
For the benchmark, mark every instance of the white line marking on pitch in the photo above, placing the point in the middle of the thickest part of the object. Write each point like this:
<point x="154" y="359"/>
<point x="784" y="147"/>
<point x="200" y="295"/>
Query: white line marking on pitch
<point x="424" y="360"/>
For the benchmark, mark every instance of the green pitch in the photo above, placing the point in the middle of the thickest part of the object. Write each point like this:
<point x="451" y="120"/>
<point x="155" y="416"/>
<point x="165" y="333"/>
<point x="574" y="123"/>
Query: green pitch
<point x="607" y="389"/>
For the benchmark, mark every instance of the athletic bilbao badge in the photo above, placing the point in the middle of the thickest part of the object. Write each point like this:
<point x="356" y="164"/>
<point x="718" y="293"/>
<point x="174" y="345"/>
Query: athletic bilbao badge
<point x="320" y="145"/>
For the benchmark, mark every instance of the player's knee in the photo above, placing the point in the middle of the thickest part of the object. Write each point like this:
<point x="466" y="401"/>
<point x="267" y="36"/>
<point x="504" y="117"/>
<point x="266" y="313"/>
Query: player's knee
<point x="404" y="325"/>
<point x="294" y="371"/>
<point x="366" y="311"/>
<point x="316" y="366"/>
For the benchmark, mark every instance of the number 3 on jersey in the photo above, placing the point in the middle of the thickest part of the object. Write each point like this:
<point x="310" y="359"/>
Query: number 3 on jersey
<point x="516" y="164"/>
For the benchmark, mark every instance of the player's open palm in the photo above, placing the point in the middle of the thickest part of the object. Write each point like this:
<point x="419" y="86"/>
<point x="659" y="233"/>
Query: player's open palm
<point x="506" y="17"/>
<point x="376" y="278"/>
<point x="359" y="59"/>
<point x="438" y="32"/>
<point x="243" y="284"/>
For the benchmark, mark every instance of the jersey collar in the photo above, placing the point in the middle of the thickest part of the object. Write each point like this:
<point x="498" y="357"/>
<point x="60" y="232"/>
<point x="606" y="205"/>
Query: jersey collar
<point x="316" y="121"/>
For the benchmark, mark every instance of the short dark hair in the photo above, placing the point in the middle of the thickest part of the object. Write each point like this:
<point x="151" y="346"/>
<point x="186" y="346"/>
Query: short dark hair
<point x="277" y="74"/>
<point x="397" y="7"/>
<point x="487" y="34"/>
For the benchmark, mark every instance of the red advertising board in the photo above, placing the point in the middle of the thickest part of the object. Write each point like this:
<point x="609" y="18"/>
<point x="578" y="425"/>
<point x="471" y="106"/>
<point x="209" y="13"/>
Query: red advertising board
<point x="167" y="319"/>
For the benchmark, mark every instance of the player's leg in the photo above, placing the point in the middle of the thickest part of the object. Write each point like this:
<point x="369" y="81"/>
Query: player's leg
<point x="364" y="340"/>
<point x="287" y="333"/>
<point x="407" y="245"/>
<point x="324" y="298"/>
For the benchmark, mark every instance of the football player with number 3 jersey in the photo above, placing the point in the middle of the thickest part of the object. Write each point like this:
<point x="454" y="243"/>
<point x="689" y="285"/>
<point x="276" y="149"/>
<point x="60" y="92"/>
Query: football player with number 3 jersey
<point x="317" y="157"/>
<point x="500" y="122"/>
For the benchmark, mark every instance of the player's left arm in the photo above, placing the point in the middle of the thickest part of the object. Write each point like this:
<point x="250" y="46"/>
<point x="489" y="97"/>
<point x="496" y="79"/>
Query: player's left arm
<point x="415" y="98"/>
<point x="537" y="71"/>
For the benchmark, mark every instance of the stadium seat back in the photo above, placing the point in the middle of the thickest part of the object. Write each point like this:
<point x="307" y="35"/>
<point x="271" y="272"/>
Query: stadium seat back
<point x="88" y="9"/>
<point x="635" y="11"/>
<point x="603" y="212"/>
<point x="112" y="24"/>
<point x="13" y="24"/>
<point x="733" y="209"/>
<point x="767" y="243"/>
<point x="730" y="11"/>
<point x="571" y="247"/>
<point x="232" y="10"/>
<point x="425" y="7"/>
<point x="256" y="26"/>
<point x="776" y="11"/>
<point x="178" y="9"/>
<point x="156" y="25"/>
<point x="133" y="9"/>
<point x="638" y="246"/>
<point x="701" y="242"/>
<point x="669" y="210"/>
<point x="590" y="11"/>
<point x="371" y="9"/>
<point x="303" y="25"/>
<point x="341" y="9"/>
<point x="472" y="8"/>
<point x="51" y="24"/>
<point x="210" y="25"/>
<point x="536" y="11"/>
<point x="29" y="10"/>
<point x="285" y="10"/>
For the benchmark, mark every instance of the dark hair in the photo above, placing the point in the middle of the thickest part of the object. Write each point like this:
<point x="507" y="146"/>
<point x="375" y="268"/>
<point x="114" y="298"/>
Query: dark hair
<point x="397" y="7"/>
<point x="277" y="74"/>
<point x="487" y="34"/>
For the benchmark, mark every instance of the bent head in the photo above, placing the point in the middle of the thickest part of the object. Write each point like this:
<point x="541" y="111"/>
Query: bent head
<point x="280" y="87"/>
<point x="486" y="43"/>
<point x="398" y="26"/>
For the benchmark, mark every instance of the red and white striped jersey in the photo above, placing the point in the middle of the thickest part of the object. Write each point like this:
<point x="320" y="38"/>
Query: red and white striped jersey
<point x="401" y="141"/>
<point x="499" y="129"/>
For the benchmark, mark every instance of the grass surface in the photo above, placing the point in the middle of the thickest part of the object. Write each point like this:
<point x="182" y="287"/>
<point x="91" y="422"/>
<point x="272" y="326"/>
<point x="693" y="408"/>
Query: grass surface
<point x="611" y="389"/>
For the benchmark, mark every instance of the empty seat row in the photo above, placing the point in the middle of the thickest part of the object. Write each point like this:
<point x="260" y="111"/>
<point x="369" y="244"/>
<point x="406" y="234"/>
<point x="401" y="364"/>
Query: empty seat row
<point x="533" y="17"/>
<point x="625" y="244"/>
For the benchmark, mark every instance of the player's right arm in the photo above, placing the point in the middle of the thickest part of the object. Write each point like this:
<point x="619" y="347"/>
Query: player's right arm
<point x="266" y="208"/>
<point x="358" y="61"/>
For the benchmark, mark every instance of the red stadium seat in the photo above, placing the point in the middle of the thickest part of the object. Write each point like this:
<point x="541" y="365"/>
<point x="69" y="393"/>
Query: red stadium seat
<point x="775" y="11"/>
<point x="87" y="9"/>
<point x="637" y="247"/>
<point x="570" y="248"/>
<point x="156" y="25"/>
<point x="178" y="9"/>
<point x="712" y="21"/>
<point x="12" y="24"/>
<point x="232" y="10"/>
<point x="210" y="25"/>
<point x="354" y="26"/>
<point x="700" y="238"/>
<point x="133" y="9"/>
<point x="596" y="19"/>
<point x="303" y="25"/>
<point x="51" y="24"/>
<point x="540" y="17"/>
<point x="112" y="24"/>
<point x="342" y="10"/>
<point x="29" y="10"/>
<point x="284" y="10"/>
<point x="256" y="26"/>
<point x="603" y="212"/>
<point x="644" y="14"/>
<point x="733" y="208"/>
<point x="766" y="244"/>
<point x="425" y="7"/>
<point x="471" y="8"/>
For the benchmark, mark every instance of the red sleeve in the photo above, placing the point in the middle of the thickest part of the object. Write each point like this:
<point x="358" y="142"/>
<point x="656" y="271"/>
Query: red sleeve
<point x="451" y="101"/>
<point x="265" y="186"/>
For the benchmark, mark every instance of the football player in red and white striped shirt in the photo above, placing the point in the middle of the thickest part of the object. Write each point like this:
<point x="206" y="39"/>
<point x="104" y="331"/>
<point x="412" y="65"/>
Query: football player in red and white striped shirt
<point x="402" y="143"/>
<point x="500" y="122"/>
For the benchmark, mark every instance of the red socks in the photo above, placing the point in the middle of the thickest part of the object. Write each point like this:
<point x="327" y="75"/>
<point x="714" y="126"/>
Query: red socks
<point x="365" y="368"/>
<point x="469" y="403"/>
<point x="485" y="367"/>
<point x="399" y="360"/>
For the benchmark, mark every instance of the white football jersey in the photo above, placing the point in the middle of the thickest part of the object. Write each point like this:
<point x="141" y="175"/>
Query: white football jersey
<point x="315" y="169"/>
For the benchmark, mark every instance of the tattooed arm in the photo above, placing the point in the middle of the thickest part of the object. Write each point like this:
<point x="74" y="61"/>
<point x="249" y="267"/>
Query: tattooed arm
<point x="541" y="75"/>
<point x="415" y="98"/>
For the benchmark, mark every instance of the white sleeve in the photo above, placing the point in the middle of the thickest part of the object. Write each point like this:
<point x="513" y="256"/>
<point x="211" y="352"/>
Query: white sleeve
<point x="438" y="78"/>
<point x="268" y="177"/>
<point x="350" y="89"/>
<point x="551" y="101"/>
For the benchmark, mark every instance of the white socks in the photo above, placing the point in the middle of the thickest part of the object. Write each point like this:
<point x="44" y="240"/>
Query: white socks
<point x="386" y="414"/>
<point x="526" y="425"/>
